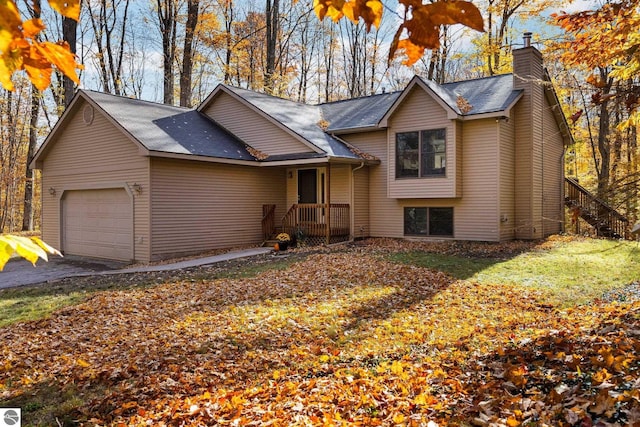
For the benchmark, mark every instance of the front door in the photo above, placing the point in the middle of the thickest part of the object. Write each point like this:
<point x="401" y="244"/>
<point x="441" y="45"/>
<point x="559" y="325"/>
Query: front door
<point x="307" y="186"/>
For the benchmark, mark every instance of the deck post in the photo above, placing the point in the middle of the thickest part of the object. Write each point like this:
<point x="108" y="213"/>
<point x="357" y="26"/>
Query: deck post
<point x="328" y="202"/>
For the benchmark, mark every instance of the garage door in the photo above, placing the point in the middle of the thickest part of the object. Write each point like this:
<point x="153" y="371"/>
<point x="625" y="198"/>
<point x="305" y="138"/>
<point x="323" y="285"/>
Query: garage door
<point x="98" y="223"/>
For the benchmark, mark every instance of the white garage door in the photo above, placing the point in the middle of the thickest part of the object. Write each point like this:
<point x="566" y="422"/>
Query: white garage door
<point x="98" y="223"/>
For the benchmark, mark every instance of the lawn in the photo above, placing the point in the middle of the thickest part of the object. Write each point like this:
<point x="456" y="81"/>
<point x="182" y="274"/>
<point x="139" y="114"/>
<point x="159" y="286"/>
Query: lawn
<point x="378" y="333"/>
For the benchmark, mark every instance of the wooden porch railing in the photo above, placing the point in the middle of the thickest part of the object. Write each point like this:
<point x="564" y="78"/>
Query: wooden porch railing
<point x="318" y="222"/>
<point x="268" y="221"/>
<point x="605" y="219"/>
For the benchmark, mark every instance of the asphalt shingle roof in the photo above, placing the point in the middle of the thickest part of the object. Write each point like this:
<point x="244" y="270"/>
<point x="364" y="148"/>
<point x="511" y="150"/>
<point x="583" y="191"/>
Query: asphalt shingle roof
<point x="357" y="113"/>
<point x="486" y="95"/>
<point x="170" y="129"/>
<point x="303" y="119"/>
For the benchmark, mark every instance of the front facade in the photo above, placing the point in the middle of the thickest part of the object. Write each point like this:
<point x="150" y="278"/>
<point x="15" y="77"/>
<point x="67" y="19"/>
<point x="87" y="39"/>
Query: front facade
<point x="474" y="160"/>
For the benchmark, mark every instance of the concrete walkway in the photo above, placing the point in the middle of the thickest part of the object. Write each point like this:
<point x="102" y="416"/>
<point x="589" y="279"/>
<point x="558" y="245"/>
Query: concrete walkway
<point x="196" y="262"/>
<point x="20" y="272"/>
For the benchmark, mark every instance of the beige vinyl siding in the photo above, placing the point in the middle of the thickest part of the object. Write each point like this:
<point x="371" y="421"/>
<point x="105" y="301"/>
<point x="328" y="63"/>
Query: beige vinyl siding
<point x="476" y="215"/>
<point x="203" y="206"/>
<point x="507" y="159"/>
<point x="253" y="128"/>
<point x="340" y="181"/>
<point x="528" y="115"/>
<point x="459" y="171"/>
<point x="385" y="214"/>
<point x="553" y="175"/>
<point x="361" y="202"/>
<point x="419" y="111"/>
<point x="94" y="156"/>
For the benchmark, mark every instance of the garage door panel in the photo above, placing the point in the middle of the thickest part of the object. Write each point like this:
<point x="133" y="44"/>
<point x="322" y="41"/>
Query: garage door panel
<point x="98" y="223"/>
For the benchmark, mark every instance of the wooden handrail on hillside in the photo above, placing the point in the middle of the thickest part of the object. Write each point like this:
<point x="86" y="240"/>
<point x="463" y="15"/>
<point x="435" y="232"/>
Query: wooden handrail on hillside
<point x="607" y="221"/>
<point x="310" y="220"/>
<point x="268" y="221"/>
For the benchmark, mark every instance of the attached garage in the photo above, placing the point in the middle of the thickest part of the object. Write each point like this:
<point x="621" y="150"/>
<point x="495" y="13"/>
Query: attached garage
<point x="98" y="223"/>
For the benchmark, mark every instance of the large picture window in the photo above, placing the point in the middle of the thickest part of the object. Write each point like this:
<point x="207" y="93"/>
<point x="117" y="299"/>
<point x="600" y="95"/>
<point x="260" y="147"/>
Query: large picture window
<point x="421" y="154"/>
<point x="428" y="222"/>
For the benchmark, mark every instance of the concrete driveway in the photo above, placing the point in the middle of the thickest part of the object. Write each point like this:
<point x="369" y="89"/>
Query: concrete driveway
<point x="20" y="272"/>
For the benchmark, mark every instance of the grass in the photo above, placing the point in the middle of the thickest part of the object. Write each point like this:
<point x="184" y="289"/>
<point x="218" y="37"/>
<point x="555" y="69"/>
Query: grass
<point x="572" y="273"/>
<point x="34" y="302"/>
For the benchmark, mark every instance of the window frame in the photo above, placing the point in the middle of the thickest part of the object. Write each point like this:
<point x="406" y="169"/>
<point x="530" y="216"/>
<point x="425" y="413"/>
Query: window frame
<point x="423" y="154"/>
<point x="426" y="220"/>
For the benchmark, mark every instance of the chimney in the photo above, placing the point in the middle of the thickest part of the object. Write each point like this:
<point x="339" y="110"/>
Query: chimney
<point x="528" y="75"/>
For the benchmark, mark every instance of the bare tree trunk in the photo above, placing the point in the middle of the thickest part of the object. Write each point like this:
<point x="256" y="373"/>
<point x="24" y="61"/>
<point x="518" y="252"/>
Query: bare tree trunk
<point x="272" y="12"/>
<point x="167" y="20"/>
<point x="187" y="54"/>
<point x="27" y="210"/>
<point x="27" y="206"/>
<point x="69" y="34"/>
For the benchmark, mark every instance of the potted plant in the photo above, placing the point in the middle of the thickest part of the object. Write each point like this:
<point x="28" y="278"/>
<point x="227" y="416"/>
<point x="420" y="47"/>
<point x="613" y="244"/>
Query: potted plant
<point x="283" y="241"/>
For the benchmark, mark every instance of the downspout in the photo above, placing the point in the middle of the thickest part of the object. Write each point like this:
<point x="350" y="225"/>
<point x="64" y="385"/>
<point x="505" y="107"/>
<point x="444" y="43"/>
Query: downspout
<point x="352" y="214"/>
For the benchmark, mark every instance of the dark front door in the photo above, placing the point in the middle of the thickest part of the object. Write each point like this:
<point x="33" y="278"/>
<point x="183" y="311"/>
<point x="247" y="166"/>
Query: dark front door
<point x="308" y="186"/>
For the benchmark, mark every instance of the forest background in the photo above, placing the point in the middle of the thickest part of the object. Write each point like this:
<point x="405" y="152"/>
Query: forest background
<point x="177" y="51"/>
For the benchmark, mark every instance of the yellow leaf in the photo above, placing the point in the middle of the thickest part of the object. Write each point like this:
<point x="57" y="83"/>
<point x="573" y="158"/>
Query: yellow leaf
<point x="10" y="22"/>
<point x="398" y="418"/>
<point x="26" y="248"/>
<point x="68" y="8"/>
<point x="83" y="363"/>
<point x="512" y="422"/>
<point x="376" y="7"/>
<point x="45" y="246"/>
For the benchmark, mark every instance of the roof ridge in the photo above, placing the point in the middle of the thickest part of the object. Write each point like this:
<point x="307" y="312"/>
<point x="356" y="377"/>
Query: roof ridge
<point x="357" y="98"/>
<point x="267" y="95"/>
<point x="475" y="79"/>
<point x="128" y="98"/>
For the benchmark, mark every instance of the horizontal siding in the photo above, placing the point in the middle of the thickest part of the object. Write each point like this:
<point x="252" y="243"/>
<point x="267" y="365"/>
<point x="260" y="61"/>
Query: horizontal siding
<point x="419" y="111"/>
<point x="253" y="128"/>
<point x="552" y="199"/>
<point x="203" y="206"/>
<point x="94" y="156"/>
<point x="507" y="180"/>
<point x="385" y="214"/>
<point x="476" y="214"/>
<point x="360" y="208"/>
<point x="340" y="184"/>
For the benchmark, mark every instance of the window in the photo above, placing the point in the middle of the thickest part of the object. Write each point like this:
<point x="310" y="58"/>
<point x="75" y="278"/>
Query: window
<point x="428" y="221"/>
<point x="420" y="154"/>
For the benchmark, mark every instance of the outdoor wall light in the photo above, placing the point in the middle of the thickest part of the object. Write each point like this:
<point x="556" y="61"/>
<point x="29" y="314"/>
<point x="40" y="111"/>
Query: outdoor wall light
<point x="137" y="187"/>
<point x="52" y="191"/>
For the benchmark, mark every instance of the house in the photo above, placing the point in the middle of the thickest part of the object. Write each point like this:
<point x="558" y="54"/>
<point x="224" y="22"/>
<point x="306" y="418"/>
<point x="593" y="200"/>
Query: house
<point x="472" y="160"/>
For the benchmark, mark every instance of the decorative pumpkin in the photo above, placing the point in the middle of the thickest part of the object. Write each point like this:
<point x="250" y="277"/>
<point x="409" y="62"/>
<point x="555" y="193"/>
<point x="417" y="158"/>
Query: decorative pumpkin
<point x="276" y="247"/>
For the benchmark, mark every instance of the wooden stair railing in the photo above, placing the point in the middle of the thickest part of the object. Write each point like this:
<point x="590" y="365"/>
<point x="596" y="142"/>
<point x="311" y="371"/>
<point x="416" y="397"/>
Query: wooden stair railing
<point x="268" y="221"/>
<point x="310" y="220"/>
<point x="606" y="220"/>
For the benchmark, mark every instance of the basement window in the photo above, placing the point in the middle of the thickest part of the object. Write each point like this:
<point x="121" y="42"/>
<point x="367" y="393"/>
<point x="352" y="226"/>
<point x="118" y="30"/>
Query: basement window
<point x="428" y="222"/>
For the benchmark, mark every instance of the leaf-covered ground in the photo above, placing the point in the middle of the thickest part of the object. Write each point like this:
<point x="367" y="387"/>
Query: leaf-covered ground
<point x="340" y="338"/>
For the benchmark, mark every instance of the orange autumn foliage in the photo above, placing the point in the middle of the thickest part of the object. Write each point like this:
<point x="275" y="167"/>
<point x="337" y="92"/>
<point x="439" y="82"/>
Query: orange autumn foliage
<point x="20" y="48"/>
<point x="421" y="22"/>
